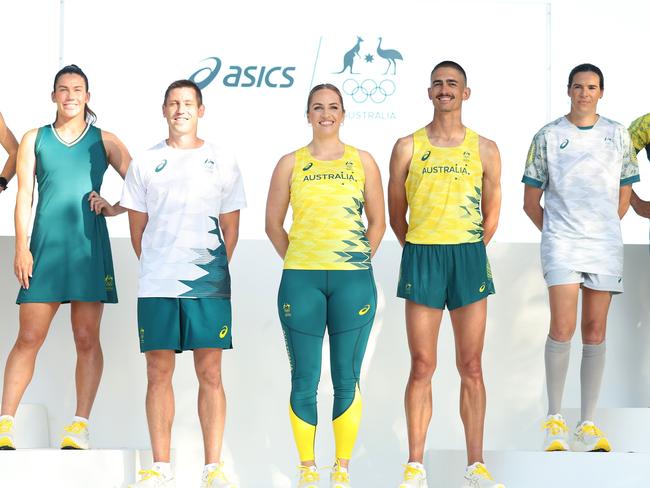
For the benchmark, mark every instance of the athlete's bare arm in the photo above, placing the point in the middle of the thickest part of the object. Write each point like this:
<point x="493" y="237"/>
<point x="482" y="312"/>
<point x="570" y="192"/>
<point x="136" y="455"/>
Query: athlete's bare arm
<point x="624" y="200"/>
<point x="118" y="156"/>
<point x="9" y="143"/>
<point x="277" y="203"/>
<point x="400" y="161"/>
<point x="229" y="223"/>
<point x="533" y="206"/>
<point x="25" y="169"/>
<point x="137" y="223"/>
<point x="640" y="206"/>
<point x="491" y="199"/>
<point x="374" y="201"/>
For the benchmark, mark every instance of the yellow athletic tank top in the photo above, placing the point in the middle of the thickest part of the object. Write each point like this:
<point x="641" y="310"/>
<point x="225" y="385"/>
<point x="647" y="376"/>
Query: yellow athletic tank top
<point x="443" y="189"/>
<point x="327" y="202"/>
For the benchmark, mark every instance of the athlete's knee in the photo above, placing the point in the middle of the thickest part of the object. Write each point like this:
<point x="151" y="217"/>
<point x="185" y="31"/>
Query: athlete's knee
<point x="422" y="368"/>
<point x="593" y="332"/>
<point x="85" y="340"/>
<point x="30" y="339"/>
<point x="562" y="329"/>
<point x="470" y="369"/>
<point x="209" y="376"/>
<point x="159" y="369"/>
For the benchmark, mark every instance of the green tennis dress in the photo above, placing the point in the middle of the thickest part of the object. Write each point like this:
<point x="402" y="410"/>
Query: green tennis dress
<point x="69" y="243"/>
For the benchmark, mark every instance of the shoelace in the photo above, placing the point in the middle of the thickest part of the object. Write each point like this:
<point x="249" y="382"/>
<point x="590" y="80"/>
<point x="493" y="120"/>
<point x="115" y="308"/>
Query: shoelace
<point x="75" y="427"/>
<point x="147" y="474"/>
<point x="5" y="426"/>
<point x="481" y="470"/>
<point x="216" y="474"/>
<point x="555" y="426"/>
<point x="306" y="474"/>
<point x="411" y="472"/>
<point x="338" y="475"/>
<point x="592" y="430"/>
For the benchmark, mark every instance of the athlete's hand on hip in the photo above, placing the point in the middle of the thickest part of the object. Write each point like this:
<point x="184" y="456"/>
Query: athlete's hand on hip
<point x="23" y="264"/>
<point x="99" y="205"/>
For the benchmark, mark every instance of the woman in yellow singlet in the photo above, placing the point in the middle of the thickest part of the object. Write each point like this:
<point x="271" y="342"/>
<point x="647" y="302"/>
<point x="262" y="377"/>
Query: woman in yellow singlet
<point x="327" y="282"/>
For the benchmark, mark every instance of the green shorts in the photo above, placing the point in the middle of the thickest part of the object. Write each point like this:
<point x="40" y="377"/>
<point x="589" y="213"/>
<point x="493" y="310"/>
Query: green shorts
<point x="436" y="275"/>
<point x="183" y="324"/>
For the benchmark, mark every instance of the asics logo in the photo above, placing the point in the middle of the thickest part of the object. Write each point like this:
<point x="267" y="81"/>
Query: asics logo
<point x="307" y="166"/>
<point x="223" y="332"/>
<point x="482" y="288"/>
<point x="426" y="155"/>
<point x="564" y="144"/>
<point x="364" y="310"/>
<point x="161" y="166"/>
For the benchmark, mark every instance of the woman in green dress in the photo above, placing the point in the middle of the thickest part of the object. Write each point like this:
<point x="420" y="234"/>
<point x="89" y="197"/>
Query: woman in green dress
<point x="68" y="259"/>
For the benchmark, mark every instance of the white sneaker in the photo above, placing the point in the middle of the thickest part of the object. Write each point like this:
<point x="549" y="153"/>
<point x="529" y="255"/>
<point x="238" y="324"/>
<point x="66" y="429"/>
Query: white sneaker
<point x="477" y="476"/>
<point x="557" y="434"/>
<point x="7" y="433"/>
<point x="309" y="477"/>
<point x="339" y="477"/>
<point x="150" y="478"/>
<point x="216" y="478"/>
<point x="75" y="436"/>
<point x="589" y="438"/>
<point x="415" y="476"/>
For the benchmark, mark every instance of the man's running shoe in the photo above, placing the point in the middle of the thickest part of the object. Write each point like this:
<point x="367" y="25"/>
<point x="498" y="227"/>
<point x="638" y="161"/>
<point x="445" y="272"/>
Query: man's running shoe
<point x="415" y="476"/>
<point x="216" y="478"/>
<point x="477" y="476"/>
<point x="150" y="478"/>
<point x="7" y="433"/>
<point x="589" y="438"/>
<point x="557" y="434"/>
<point x="75" y="436"/>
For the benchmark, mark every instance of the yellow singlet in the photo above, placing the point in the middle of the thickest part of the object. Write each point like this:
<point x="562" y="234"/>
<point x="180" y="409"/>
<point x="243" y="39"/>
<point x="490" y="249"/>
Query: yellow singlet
<point x="443" y="189"/>
<point x="327" y="202"/>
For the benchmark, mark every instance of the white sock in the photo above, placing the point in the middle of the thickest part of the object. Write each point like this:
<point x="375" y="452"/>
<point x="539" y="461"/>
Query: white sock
<point x="7" y="417"/>
<point x="419" y="466"/>
<point x="80" y="419"/>
<point x="165" y="469"/>
<point x="211" y="467"/>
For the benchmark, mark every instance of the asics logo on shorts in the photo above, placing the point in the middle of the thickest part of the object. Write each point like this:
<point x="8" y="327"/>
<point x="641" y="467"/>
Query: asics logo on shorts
<point x="223" y="332"/>
<point x="161" y="166"/>
<point x="482" y="288"/>
<point x="364" y="310"/>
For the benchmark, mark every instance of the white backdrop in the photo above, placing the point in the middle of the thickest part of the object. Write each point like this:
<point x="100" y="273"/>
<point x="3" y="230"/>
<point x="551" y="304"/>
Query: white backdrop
<point x="517" y="55"/>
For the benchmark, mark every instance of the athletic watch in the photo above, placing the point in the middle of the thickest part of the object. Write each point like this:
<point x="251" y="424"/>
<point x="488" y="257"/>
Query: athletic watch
<point x="3" y="182"/>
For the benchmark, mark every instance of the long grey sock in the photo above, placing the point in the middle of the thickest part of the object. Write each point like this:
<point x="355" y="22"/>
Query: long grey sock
<point x="591" y="376"/>
<point x="556" y="359"/>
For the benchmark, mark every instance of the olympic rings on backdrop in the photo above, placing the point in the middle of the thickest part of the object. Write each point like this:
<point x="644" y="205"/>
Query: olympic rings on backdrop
<point x="368" y="89"/>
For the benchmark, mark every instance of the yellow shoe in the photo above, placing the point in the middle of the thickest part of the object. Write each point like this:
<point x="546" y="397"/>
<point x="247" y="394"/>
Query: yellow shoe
<point x="75" y="436"/>
<point x="6" y="433"/>
<point x="309" y="477"/>
<point x="414" y="476"/>
<point x="589" y="438"/>
<point x="216" y="478"/>
<point x="151" y="478"/>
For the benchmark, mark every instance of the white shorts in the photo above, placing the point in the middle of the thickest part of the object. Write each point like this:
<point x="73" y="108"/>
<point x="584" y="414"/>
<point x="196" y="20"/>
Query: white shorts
<point x="593" y="281"/>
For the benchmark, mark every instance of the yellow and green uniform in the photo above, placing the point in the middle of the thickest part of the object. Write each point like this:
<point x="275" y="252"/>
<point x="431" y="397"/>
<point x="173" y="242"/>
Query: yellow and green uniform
<point x="327" y="282"/>
<point x="69" y="242"/>
<point x="444" y="260"/>
<point x="640" y="133"/>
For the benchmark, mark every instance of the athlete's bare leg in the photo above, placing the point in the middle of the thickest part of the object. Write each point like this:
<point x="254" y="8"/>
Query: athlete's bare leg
<point x="422" y="327"/>
<point x="212" y="401"/>
<point x="160" y="402"/>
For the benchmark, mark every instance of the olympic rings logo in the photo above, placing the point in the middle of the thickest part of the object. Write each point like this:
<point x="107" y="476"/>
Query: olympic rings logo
<point x="369" y="90"/>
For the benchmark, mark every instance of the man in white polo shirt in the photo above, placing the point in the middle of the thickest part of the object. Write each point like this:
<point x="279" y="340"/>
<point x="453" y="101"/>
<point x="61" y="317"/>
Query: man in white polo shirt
<point x="584" y="166"/>
<point x="184" y="197"/>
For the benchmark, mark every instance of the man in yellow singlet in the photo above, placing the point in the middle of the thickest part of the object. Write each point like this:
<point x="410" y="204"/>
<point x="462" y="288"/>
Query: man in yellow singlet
<point x="448" y="178"/>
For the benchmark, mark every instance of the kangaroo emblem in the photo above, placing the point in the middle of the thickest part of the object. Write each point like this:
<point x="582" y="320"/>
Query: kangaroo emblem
<point x="348" y="58"/>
